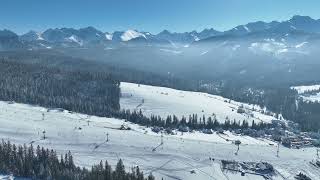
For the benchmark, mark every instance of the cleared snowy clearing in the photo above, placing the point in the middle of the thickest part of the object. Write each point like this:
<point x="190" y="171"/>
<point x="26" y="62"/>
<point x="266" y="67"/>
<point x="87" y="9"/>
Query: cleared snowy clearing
<point x="6" y="177"/>
<point x="166" y="101"/>
<point x="303" y="89"/>
<point x="304" y="92"/>
<point x="85" y="137"/>
<point x="312" y="98"/>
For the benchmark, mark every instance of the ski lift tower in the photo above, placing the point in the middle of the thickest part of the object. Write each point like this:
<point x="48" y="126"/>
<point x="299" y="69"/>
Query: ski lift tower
<point x="278" y="149"/>
<point x="44" y="134"/>
<point x="161" y="143"/>
<point x="237" y="143"/>
<point x="161" y="138"/>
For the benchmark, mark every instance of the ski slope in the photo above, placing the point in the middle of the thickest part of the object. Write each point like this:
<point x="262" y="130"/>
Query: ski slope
<point x="166" y="101"/>
<point x="85" y="137"/>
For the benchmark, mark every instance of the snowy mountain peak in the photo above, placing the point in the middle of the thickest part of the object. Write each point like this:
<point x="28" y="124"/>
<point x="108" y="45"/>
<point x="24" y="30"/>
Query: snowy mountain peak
<point x="32" y="36"/>
<point x="131" y="34"/>
<point x="75" y="39"/>
<point x="109" y="36"/>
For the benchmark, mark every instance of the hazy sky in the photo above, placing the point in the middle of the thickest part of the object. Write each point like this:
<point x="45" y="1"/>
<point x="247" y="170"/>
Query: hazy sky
<point x="148" y="15"/>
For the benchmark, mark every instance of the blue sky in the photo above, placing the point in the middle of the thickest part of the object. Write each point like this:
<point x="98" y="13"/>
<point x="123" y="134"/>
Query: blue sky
<point x="148" y="15"/>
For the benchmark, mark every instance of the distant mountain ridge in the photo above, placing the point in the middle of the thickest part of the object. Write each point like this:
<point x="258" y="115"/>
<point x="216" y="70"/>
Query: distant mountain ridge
<point x="90" y="36"/>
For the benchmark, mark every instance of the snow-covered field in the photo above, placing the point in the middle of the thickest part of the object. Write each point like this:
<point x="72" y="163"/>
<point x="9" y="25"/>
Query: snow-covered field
<point x="166" y="101"/>
<point x="313" y="98"/>
<point x="303" y="91"/>
<point x="85" y="137"/>
<point x="6" y="177"/>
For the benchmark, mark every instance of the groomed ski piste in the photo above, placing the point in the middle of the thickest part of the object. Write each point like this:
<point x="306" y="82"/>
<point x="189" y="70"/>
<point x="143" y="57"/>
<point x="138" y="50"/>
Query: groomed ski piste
<point x="186" y="156"/>
<point x="166" y="101"/>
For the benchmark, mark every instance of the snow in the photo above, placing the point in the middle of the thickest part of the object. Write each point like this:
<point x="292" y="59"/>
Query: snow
<point x="195" y="37"/>
<point x="203" y="53"/>
<point x="75" y="39"/>
<point x="303" y="92"/>
<point x="172" y="43"/>
<point x="269" y="46"/>
<point x="171" y="51"/>
<point x="301" y="45"/>
<point x="48" y="47"/>
<point x="6" y="177"/>
<point x="109" y="36"/>
<point x="303" y="89"/>
<point x="246" y="28"/>
<point x="235" y="47"/>
<point x="39" y="36"/>
<point x="85" y="137"/>
<point x="282" y="51"/>
<point x="131" y="34"/>
<point x="279" y="49"/>
<point x="108" y="48"/>
<point x="293" y="27"/>
<point x="165" y="101"/>
<point x="243" y="71"/>
<point x="312" y="98"/>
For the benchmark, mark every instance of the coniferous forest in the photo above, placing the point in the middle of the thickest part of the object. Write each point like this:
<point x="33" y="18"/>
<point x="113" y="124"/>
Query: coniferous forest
<point x="89" y="92"/>
<point x="40" y="163"/>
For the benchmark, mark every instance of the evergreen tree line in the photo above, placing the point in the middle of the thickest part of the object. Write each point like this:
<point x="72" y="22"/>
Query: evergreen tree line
<point x="193" y="122"/>
<point x="40" y="163"/>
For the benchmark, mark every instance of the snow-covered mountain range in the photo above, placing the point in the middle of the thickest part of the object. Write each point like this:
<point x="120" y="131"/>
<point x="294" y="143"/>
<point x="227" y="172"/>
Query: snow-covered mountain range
<point x="293" y="29"/>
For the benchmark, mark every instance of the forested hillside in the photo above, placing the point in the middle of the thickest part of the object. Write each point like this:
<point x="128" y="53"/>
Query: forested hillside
<point x="87" y="92"/>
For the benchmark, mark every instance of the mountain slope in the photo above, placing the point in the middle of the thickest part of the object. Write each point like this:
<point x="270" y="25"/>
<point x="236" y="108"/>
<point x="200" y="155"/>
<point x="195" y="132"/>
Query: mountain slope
<point x="179" y="155"/>
<point x="9" y="40"/>
<point x="162" y="101"/>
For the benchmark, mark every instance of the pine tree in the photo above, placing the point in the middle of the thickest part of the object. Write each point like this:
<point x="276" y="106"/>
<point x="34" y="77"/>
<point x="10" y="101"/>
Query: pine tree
<point x="120" y="171"/>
